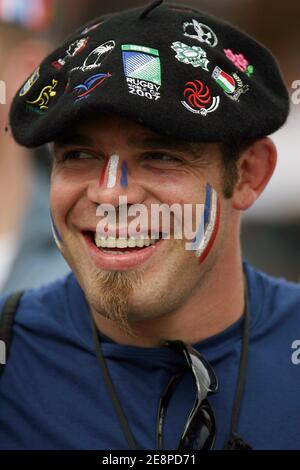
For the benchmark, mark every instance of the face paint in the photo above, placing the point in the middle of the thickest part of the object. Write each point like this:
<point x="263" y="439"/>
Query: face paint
<point x="124" y="178"/>
<point x="112" y="170"/>
<point x="56" y="234"/>
<point x="208" y="227"/>
<point x="211" y="223"/>
<point x="102" y="173"/>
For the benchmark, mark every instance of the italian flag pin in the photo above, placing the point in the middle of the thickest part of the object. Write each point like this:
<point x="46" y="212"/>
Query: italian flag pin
<point x="224" y="80"/>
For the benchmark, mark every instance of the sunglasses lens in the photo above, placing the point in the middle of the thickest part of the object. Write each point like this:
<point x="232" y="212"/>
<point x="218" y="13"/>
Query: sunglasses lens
<point x="203" y="371"/>
<point x="200" y="432"/>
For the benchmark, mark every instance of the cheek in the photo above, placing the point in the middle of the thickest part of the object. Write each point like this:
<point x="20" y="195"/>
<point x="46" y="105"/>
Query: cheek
<point x="175" y="187"/>
<point x="65" y="190"/>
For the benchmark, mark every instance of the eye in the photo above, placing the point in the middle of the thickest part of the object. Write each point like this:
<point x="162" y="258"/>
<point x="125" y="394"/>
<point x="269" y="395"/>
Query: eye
<point x="76" y="155"/>
<point x="162" y="157"/>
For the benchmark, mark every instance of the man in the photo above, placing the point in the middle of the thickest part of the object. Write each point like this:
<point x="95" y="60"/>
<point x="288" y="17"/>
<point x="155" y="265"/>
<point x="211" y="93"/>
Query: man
<point x="161" y="105"/>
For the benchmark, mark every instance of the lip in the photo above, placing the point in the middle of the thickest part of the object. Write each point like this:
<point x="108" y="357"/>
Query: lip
<point x="123" y="262"/>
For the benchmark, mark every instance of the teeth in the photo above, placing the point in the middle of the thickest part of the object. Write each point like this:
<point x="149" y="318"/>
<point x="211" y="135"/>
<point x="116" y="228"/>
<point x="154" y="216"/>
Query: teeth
<point x="140" y="242"/>
<point x="131" y="242"/>
<point x="121" y="243"/>
<point x="111" y="242"/>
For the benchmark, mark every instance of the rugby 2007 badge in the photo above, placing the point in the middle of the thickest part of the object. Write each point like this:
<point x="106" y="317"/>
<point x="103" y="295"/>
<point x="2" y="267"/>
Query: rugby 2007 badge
<point x="142" y="70"/>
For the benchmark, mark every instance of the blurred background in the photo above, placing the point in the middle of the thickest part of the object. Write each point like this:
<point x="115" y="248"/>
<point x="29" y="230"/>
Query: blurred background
<point x="29" y="29"/>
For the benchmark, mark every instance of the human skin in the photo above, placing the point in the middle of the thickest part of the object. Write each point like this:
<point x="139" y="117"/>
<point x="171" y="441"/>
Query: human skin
<point x="176" y="296"/>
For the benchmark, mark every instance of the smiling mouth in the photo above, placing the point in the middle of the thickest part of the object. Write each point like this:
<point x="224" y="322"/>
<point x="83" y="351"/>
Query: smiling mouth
<point x="121" y="246"/>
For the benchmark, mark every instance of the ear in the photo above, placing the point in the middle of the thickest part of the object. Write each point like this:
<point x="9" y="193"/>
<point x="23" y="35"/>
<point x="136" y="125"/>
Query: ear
<point x="256" y="166"/>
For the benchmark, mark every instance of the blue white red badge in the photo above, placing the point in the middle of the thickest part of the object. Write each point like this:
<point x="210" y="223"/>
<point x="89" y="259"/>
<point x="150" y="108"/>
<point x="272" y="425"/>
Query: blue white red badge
<point x="83" y="90"/>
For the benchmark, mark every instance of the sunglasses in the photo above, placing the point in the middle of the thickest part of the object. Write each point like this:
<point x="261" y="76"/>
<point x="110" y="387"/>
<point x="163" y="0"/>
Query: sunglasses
<point x="200" y="430"/>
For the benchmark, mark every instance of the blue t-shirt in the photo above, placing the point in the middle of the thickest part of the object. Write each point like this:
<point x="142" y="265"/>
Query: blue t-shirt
<point x="52" y="393"/>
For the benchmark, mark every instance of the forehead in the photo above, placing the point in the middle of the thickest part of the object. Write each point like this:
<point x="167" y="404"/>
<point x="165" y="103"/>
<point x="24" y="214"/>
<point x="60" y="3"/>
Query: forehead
<point x="105" y="128"/>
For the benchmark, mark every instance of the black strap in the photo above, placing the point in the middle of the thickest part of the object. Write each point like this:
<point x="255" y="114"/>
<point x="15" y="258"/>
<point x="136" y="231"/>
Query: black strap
<point x="111" y="390"/>
<point x="235" y="442"/>
<point x="7" y="320"/>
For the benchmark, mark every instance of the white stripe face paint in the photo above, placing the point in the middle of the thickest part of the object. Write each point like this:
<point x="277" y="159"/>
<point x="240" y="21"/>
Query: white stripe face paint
<point x="55" y="237"/>
<point x="210" y="228"/>
<point x="112" y="170"/>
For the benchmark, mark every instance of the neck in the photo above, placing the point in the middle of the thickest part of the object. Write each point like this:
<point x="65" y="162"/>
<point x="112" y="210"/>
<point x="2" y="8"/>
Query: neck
<point x="216" y="305"/>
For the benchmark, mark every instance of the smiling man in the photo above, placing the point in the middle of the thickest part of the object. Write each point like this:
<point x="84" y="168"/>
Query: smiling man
<point x="135" y="281"/>
<point x="161" y="106"/>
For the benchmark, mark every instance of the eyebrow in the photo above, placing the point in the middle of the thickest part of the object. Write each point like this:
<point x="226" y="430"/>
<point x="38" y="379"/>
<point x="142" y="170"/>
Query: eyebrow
<point x="73" y="139"/>
<point x="167" y="142"/>
<point x="149" y="142"/>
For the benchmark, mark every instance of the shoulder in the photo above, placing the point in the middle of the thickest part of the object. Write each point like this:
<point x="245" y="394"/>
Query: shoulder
<point x="42" y="299"/>
<point x="275" y="302"/>
<point x="284" y="292"/>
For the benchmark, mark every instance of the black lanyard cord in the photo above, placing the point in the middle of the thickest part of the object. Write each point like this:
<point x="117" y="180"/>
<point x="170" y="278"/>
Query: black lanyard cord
<point x="108" y="382"/>
<point x="235" y="442"/>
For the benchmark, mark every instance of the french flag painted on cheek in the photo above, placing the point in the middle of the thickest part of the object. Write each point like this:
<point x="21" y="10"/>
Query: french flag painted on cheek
<point x="211" y="222"/>
<point x="208" y="227"/>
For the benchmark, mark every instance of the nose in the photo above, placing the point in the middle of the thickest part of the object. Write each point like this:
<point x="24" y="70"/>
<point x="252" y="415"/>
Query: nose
<point x="116" y="179"/>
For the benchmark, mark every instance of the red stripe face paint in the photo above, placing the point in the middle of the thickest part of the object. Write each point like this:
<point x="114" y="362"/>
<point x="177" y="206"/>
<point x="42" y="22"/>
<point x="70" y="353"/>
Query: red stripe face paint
<point x="213" y="234"/>
<point x="111" y="169"/>
<point x="103" y="172"/>
<point x="212" y="212"/>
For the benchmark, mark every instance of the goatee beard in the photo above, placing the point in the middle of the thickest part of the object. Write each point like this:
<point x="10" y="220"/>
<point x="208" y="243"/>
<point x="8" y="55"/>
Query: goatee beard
<point x="116" y="288"/>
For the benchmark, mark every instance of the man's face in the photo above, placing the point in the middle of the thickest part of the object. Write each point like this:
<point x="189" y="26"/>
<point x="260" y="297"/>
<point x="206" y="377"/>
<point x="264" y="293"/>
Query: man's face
<point x="111" y="157"/>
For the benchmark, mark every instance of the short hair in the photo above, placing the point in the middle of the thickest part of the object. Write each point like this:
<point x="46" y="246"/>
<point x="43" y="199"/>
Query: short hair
<point x="230" y="154"/>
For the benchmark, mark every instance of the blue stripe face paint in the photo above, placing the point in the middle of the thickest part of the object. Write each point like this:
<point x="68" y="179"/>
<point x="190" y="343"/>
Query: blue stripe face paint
<point x="204" y="219"/>
<point x="208" y="190"/>
<point x="56" y="234"/>
<point x="124" y="177"/>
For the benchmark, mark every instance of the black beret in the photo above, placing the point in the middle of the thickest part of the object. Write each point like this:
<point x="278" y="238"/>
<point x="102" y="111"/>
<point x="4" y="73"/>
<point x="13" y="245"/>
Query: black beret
<point x="176" y="70"/>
